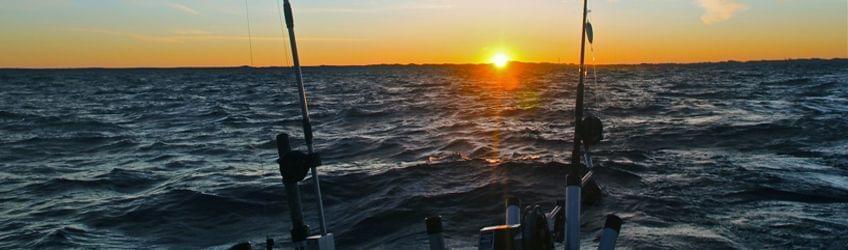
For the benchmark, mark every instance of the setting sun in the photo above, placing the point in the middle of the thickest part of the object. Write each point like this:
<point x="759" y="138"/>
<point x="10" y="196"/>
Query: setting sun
<point x="500" y="60"/>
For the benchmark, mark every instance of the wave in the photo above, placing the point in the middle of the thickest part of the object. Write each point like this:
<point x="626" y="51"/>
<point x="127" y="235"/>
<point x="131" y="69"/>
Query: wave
<point x="117" y="180"/>
<point x="182" y="158"/>
<point x="771" y="194"/>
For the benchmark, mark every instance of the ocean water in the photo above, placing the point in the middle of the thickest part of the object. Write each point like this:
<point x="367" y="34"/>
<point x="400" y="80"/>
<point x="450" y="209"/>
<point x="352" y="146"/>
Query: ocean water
<point x="726" y="155"/>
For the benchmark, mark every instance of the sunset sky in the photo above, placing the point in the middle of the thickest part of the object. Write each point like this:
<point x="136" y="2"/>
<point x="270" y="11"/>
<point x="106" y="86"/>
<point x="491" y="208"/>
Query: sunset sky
<point x="170" y="33"/>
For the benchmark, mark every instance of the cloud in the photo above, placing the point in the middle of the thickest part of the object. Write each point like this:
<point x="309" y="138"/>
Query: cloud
<point x="190" y="32"/>
<point x="140" y="37"/>
<point x="719" y="10"/>
<point x="200" y="36"/>
<point x="182" y="8"/>
<point x="373" y="7"/>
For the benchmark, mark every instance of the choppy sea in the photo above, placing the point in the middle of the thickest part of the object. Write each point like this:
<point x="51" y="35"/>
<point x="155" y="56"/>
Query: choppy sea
<point x="702" y="156"/>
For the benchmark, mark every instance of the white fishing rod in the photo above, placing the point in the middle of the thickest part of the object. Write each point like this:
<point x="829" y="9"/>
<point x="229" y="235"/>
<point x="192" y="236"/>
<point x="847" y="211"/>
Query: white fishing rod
<point x="304" y="109"/>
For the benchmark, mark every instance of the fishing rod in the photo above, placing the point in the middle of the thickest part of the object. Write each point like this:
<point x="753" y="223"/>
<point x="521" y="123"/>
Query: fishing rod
<point x="573" y="184"/>
<point x="304" y="109"/>
<point x="294" y="165"/>
<point x="578" y="109"/>
<point x="588" y="130"/>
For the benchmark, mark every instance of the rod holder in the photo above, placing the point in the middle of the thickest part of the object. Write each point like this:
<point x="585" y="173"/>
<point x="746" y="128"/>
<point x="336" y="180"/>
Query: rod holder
<point x="321" y="242"/>
<point x="304" y="110"/>
<point x="612" y="227"/>
<point x="434" y="232"/>
<point x="572" y="211"/>
<point x="269" y="243"/>
<point x="513" y="210"/>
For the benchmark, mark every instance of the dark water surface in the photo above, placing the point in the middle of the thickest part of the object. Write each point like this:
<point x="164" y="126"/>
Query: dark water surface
<point x="700" y="156"/>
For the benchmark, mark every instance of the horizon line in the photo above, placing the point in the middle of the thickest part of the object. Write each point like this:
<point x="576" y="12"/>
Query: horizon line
<point x="421" y="64"/>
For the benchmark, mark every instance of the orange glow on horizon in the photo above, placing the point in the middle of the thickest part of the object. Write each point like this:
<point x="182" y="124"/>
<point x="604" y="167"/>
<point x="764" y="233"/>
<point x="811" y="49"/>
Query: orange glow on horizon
<point x="58" y="34"/>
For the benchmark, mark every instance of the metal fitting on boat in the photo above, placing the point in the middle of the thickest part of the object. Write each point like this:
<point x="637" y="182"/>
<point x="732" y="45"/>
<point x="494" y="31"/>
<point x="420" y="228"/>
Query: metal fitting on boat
<point x="434" y="232"/>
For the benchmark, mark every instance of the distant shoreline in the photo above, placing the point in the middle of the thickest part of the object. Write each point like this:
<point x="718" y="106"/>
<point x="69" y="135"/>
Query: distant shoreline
<point x="434" y="64"/>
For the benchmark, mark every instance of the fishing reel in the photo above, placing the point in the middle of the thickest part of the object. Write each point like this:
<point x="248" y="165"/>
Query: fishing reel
<point x="294" y="165"/>
<point x="535" y="230"/>
<point x="591" y="130"/>
<point x="537" y="225"/>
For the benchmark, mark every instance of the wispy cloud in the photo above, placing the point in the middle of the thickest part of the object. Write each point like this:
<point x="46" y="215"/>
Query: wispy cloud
<point x="719" y="10"/>
<point x="136" y="36"/>
<point x="199" y="35"/>
<point x="182" y="8"/>
<point x="189" y="32"/>
<point x="427" y="5"/>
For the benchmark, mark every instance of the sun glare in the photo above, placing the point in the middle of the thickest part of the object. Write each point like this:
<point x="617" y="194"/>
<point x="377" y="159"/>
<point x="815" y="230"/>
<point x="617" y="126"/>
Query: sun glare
<point x="500" y="60"/>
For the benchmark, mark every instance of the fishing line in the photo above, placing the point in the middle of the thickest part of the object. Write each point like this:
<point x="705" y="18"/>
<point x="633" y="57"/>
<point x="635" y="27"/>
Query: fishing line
<point x="594" y="105"/>
<point x="249" y="31"/>
<point x="284" y="62"/>
<point x="256" y="158"/>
